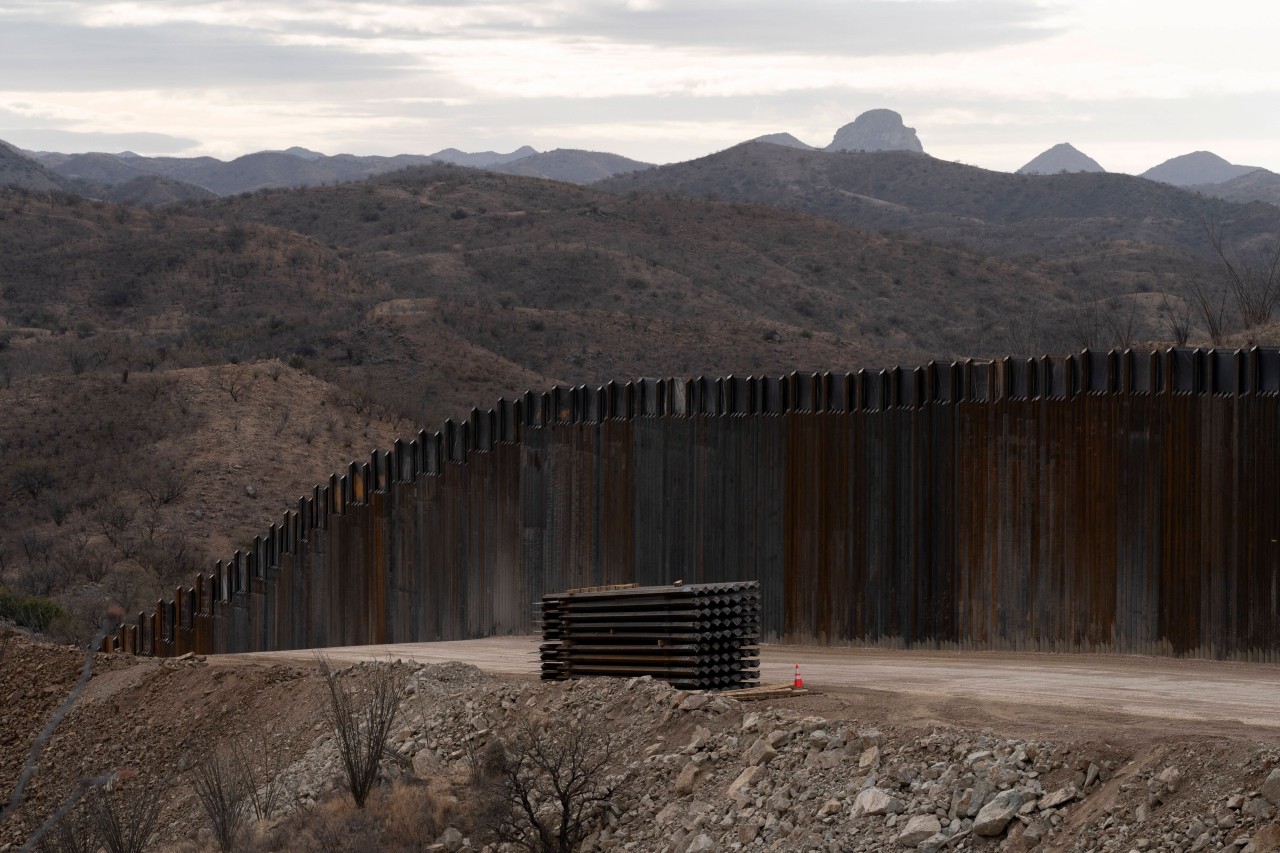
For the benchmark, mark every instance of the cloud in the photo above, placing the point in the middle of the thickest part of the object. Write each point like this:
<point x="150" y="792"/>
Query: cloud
<point x="53" y="56"/>
<point x="49" y="139"/>
<point x="821" y="27"/>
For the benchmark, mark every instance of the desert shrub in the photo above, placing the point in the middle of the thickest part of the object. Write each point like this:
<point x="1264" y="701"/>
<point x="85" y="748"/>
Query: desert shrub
<point x="31" y="612"/>
<point x="404" y="817"/>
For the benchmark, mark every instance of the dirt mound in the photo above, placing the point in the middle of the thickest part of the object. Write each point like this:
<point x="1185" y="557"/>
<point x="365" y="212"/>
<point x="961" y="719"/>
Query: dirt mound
<point x="700" y="771"/>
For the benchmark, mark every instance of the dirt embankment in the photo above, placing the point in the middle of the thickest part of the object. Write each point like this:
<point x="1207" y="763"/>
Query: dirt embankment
<point x="851" y="768"/>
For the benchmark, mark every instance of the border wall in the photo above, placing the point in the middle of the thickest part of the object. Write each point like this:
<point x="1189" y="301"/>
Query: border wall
<point x="1115" y="502"/>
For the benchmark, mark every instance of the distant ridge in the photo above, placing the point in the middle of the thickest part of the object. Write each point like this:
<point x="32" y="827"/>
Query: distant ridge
<point x="572" y="166"/>
<point x="481" y="159"/>
<point x="784" y="139"/>
<point x="1198" y="167"/>
<point x="1063" y="157"/>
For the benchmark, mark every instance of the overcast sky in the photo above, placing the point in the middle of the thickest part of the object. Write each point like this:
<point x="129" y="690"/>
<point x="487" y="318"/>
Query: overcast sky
<point x="986" y="82"/>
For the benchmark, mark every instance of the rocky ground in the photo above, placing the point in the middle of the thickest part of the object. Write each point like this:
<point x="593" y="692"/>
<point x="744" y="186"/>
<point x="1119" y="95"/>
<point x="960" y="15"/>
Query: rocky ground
<point x="701" y="772"/>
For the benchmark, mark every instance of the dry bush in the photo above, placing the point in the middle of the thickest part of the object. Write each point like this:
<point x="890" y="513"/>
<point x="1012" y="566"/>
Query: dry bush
<point x="222" y="788"/>
<point x="126" y="818"/>
<point x="554" y="783"/>
<point x="334" y="826"/>
<point x="405" y="817"/>
<point x="411" y="815"/>
<point x="362" y="716"/>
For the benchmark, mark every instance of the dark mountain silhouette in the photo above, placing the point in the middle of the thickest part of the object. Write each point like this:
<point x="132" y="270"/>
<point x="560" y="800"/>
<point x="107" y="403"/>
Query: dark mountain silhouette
<point x="784" y="139"/>
<point x="1198" y="167"/>
<point x="876" y="130"/>
<point x="1062" y="157"/>
<point x="573" y="166"/>
<point x="481" y="159"/>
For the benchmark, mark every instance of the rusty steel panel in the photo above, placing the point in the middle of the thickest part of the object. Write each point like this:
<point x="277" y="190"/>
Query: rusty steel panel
<point x="1123" y="501"/>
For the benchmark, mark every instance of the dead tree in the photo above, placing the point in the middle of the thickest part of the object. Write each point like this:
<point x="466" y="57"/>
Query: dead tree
<point x="554" y="783"/>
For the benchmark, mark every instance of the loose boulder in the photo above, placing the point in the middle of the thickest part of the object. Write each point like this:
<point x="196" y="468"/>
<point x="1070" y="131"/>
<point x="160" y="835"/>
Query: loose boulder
<point x="997" y="813"/>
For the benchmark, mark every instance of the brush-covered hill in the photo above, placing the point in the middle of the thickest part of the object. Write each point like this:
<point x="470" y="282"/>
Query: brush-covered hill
<point x="583" y="285"/>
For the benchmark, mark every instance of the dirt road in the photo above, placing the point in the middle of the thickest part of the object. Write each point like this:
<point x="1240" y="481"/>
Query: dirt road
<point x="1095" y="694"/>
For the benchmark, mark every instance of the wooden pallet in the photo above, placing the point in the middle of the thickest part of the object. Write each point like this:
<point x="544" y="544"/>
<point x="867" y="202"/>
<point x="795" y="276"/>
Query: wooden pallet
<point x="765" y="691"/>
<point x="605" y="588"/>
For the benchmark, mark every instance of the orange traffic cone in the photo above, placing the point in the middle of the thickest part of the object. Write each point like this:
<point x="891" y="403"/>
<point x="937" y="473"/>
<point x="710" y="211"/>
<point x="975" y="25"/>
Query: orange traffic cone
<point x="799" y="682"/>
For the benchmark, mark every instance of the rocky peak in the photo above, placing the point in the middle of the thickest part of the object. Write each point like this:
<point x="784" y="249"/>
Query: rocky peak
<point x="876" y="130"/>
<point x="1063" y="157"/>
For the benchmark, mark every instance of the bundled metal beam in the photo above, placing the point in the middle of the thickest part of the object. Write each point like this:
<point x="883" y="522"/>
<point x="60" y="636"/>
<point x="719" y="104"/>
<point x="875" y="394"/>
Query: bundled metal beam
<point x="697" y="636"/>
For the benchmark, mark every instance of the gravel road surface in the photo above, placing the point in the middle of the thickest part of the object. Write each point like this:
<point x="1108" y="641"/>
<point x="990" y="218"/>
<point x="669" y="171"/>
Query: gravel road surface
<point x="1040" y="691"/>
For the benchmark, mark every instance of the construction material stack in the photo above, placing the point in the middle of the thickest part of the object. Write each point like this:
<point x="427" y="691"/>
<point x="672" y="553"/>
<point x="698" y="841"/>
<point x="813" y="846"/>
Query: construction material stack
<point x="695" y="636"/>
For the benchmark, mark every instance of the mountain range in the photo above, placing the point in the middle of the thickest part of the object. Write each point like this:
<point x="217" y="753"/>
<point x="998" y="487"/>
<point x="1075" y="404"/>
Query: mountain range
<point x="129" y="178"/>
